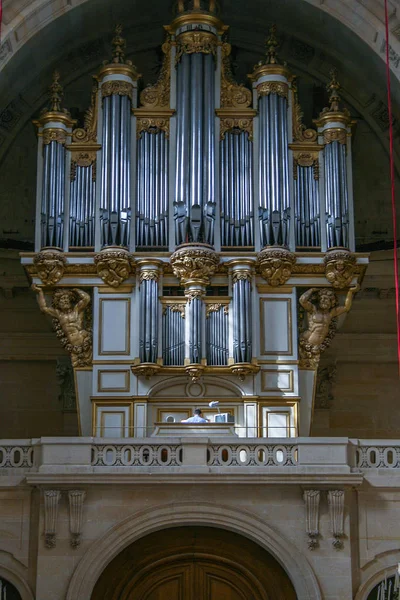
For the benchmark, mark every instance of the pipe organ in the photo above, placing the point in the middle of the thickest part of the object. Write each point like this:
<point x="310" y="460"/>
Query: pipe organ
<point x="196" y="233"/>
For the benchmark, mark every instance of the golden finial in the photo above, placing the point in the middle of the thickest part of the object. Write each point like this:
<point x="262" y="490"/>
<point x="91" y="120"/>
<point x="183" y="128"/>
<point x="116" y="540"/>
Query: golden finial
<point x="56" y="93"/>
<point x="119" y="44"/>
<point x="272" y="46"/>
<point x="333" y="87"/>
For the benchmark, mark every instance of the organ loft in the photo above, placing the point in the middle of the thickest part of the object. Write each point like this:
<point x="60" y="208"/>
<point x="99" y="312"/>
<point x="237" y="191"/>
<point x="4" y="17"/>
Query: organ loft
<point x="194" y="238"/>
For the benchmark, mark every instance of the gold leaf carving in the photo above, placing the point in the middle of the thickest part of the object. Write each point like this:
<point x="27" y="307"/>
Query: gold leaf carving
<point x="276" y="265"/>
<point x="50" y="266"/>
<point x="113" y="266"/>
<point x="158" y="95"/>
<point x="54" y="135"/>
<point x="273" y="87"/>
<point x="152" y="125"/>
<point x="193" y="42"/>
<point x="232" y="94"/>
<point x="122" y="88"/>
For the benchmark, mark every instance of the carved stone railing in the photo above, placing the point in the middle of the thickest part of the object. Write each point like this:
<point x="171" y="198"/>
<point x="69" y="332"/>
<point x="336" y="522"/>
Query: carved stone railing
<point x="253" y="455"/>
<point x="378" y="454"/>
<point x="136" y="455"/>
<point x="16" y="454"/>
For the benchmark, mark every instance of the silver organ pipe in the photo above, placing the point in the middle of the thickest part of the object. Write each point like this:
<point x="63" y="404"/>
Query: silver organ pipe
<point x="217" y="335"/>
<point x="81" y="208"/>
<point x="236" y="164"/>
<point x="194" y="314"/>
<point x="194" y="205"/>
<point x="307" y="211"/>
<point x="152" y="190"/>
<point x="336" y="194"/>
<point x="148" y="340"/>
<point x="242" y="311"/>
<point x="53" y="193"/>
<point x="174" y="334"/>
<point x="274" y="206"/>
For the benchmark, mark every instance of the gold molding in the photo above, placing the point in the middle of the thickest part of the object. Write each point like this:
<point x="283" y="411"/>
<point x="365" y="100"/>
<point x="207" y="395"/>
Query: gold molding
<point x="117" y="87"/>
<point x="236" y="120"/>
<point x="273" y="87"/>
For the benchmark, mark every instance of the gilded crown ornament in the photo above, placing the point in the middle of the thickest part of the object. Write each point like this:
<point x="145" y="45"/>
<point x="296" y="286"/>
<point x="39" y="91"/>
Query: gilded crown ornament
<point x="272" y="47"/>
<point x="334" y="112"/>
<point x="276" y="265"/>
<point x="56" y="93"/>
<point x="50" y="266"/>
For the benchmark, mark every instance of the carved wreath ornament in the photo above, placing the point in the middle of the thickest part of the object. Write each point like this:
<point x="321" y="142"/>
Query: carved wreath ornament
<point x="340" y="268"/>
<point x="50" y="266"/>
<point x="113" y="266"/>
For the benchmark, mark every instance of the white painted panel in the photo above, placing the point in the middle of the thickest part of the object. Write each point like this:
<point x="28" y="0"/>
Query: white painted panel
<point x="277" y="380"/>
<point x="112" y="421"/>
<point x="116" y="381"/>
<point x="114" y="326"/>
<point x="278" y="425"/>
<point x="276" y="330"/>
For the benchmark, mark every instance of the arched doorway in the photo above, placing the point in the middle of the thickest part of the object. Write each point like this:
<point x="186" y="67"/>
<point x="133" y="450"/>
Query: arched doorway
<point x="194" y="563"/>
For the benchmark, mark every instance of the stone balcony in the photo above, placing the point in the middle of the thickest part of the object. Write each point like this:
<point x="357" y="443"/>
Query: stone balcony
<point x="200" y="459"/>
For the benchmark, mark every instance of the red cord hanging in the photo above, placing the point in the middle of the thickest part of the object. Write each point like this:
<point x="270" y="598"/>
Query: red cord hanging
<point x="392" y="181"/>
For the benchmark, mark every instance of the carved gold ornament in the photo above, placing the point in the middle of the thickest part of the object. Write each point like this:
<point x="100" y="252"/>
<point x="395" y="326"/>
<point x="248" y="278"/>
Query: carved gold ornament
<point x="149" y="275"/>
<point x="300" y="131"/>
<point x="340" y="268"/>
<point x="157" y="96"/>
<point x="146" y="370"/>
<point x="53" y="134"/>
<point x="83" y="159"/>
<point x="175" y="308"/>
<point x="273" y="87"/>
<point x="336" y="134"/>
<point x="321" y="308"/>
<point x="241" y="275"/>
<point x="276" y="265"/>
<point x="242" y="370"/>
<point x="152" y="125"/>
<point x="120" y="88"/>
<point x="233" y="95"/>
<point x="305" y="159"/>
<point x="215" y="308"/>
<point x="194" y="294"/>
<point x="194" y="42"/>
<point x="113" y="266"/>
<point x="194" y="263"/>
<point x="194" y="371"/>
<point x="68" y="313"/>
<point x="50" y="266"/>
<point x="238" y="124"/>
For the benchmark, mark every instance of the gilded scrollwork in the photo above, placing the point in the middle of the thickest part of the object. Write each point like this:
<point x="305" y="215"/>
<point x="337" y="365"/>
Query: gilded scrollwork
<point x="306" y="159"/>
<point x="198" y="263"/>
<point x="300" y="132"/>
<point x="157" y="95"/>
<point x="175" y="308"/>
<point x="88" y="133"/>
<point x="193" y="294"/>
<point x="193" y="42"/>
<point x="113" y="266"/>
<point x="68" y="313"/>
<point x="276" y="265"/>
<point x="340" y="268"/>
<point x="194" y="371"/>
<point x="241" y="275"/>
<point x="322" y="309"/>
<point x="50" y="266"/>
<point x="335" y="134"/>
<point x="233" y="95"/>
<point x="82" y="159"/>
<point x="215" y="308"/>
<point x="149" y="275"/>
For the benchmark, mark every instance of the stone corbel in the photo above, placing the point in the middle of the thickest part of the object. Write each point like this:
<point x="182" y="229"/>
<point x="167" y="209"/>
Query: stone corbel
<point x="51" y="500"/>
<point x="311" y="499"/>
<point x="336" y="512"/>
<point x="76" y="499"/>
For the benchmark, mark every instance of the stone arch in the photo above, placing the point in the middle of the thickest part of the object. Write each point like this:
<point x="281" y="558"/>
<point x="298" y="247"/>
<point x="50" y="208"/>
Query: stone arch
<point x="16" y="573"/>
<point x="375" y="571"/>
<point x="180" y="514"/>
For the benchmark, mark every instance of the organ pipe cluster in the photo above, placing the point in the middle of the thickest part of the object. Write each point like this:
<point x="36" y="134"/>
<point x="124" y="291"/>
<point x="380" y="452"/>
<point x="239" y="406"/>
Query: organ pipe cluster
<point x="197" y="159"/>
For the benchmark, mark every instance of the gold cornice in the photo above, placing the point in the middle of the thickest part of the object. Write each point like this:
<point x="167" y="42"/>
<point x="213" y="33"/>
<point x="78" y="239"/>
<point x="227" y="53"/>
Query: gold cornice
<point x="119" y="69"/>
<point x="333" y="117"/>
<point x="152" y="120"/>
<point x="55" y="117"/>
<point x="306" y="147"/>
<point x="236" y="118"/>
<point x="200" y="18"/>
<point x="261" y="70"/>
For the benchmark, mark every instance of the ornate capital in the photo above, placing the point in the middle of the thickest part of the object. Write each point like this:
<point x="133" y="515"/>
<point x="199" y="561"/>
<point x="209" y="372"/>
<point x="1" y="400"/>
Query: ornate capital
<point x="215" y="308"/>
<point x="311" y="499"/>
<point x="152" y="125"/>
<point x="50" y="266"/>
<point x="193" y="42"/>
<point x="273" y="87"/>
<point x="51" y="500"/>
<point x="194" y="293"/>
<point x="113" y="266"/>
<point x="336" y="134"/>
<point x="84" y="158"/>
<point x="149" y="275"/>
<point x="121" y="88"/>
<point x="194" y="262"/>
<point x="54" y="134"/>
<point x="194" y="371"/>
<point x="236" y="125"/>
<point x="340" y="268"/>
<point x="241" y="275"/>
<point x="181" y="308"/>
<point x="146" y="370"/>
<point x="276" y="265"/>
<point x="305" y="159"/>
<point x="336" y="513"/>
<point x="244" y="369"/>
<point x="76" y="499"/>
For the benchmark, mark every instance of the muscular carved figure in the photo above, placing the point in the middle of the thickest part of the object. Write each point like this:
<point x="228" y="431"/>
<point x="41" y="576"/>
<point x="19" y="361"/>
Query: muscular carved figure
<point x="321" y="313"/>
<point x="68" y="310"/>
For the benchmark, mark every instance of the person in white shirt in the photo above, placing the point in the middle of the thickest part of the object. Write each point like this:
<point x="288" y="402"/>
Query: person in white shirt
<point x="197" y="417"/>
